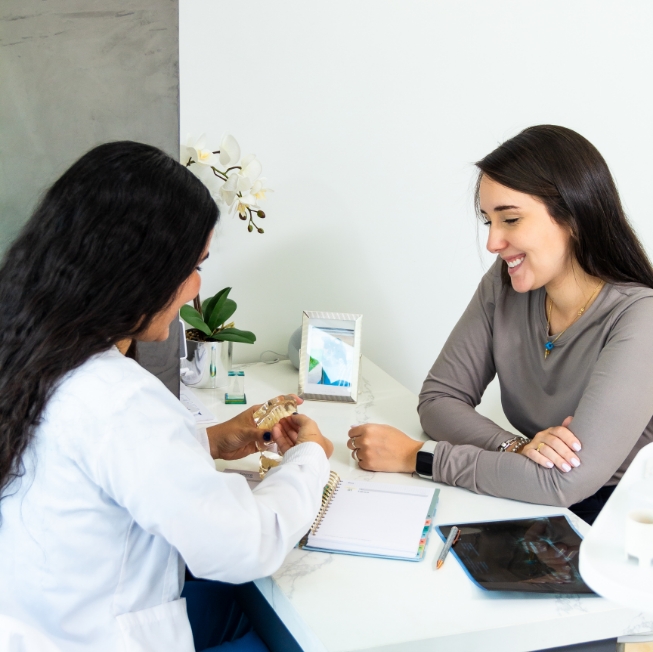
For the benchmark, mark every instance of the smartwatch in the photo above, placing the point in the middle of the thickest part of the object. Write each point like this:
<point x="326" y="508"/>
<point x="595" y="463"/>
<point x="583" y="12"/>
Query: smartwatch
<point x="424" y="463"/>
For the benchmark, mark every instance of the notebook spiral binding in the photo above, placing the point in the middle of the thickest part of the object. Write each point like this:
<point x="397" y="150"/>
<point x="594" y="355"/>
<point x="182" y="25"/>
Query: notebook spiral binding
<point x="330" y="490"/>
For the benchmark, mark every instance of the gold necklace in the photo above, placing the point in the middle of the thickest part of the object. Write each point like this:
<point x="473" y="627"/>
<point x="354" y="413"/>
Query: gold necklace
<point x="548" y="346"/>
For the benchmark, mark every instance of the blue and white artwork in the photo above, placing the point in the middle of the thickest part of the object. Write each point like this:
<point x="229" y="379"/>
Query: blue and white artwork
<point x="331" y="356"/>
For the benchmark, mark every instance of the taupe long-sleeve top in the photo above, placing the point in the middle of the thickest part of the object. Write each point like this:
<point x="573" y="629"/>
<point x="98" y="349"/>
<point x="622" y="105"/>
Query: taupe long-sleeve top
<point x="600" y="372"/>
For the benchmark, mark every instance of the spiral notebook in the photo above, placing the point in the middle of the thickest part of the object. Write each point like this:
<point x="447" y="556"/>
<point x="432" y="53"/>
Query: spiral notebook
<point x="373" y="519"/>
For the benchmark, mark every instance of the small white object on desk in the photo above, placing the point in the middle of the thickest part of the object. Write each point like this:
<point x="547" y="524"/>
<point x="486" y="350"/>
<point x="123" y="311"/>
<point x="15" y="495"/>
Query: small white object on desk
<point x="604" y="563"/>
<point x="192" y="402"/>
<point x="252" y="477"/>
<point x="639" y="538"/>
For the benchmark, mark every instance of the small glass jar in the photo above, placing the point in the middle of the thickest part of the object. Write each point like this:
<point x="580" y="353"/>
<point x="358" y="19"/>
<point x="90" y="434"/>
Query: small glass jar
<point x="235" y="394"/>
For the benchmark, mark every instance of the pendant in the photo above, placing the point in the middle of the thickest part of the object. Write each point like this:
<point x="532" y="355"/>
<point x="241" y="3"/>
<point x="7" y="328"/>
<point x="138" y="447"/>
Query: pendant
<point x="548" y="347"/>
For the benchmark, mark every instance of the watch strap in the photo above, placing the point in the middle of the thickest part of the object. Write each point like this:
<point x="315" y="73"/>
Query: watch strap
<point x="424" y="462"/>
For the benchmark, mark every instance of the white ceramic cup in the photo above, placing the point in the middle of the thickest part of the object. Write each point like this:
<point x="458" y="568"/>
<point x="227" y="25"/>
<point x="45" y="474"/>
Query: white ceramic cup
<point x="639" y="536"/>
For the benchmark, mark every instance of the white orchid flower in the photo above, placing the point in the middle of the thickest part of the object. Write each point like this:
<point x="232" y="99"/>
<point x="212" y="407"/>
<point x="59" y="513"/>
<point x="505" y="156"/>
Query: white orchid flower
<point x="213" y="183"/>
<point x="259" y="189"/>
<point x="198" y="151"/>
<point x="245" y="202"/>
<point x="187" y="149"/>
<point x="237" y="185"/>
<point x="185" y="153"/>
<point x="242" y="183"/>
<point x="229" y="151"/>
<point x="205" y="174"/>
<point x="250" y="167"/>
<point x="229" y="190"/>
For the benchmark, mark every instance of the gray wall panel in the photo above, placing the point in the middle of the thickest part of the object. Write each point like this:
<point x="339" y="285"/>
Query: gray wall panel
<point x="76" y="73"/>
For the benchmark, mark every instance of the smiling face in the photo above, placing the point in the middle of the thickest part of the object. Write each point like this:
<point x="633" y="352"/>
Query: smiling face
<point x="535" y="247"/>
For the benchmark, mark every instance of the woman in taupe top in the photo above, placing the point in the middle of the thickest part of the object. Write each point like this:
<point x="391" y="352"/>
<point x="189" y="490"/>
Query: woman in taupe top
<point x="564" y="318"/>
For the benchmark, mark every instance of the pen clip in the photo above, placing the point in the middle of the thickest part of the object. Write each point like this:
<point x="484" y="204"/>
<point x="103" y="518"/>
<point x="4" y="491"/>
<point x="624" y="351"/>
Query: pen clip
<point x="455" y="541"/>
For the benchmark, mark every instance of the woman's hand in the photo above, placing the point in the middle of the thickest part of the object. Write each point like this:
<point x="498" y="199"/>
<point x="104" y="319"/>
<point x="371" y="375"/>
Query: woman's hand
<point x="383" y="448"/>
<point x="297" y="429"/>
<point x="556" y="446"/>
<point x="239" y="436"/>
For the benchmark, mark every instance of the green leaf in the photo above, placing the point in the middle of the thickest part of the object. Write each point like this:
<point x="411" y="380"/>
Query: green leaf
<point x="192" y="317"/>
<point x="221" y="313"/>
<point x="235" y="335"/>
<point x="205" y="303"/>
<point x="312" y="363"/>
<point x="211" y="303"/>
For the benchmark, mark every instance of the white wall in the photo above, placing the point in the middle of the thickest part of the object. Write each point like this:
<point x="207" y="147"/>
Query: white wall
<point x="368" y="116"/>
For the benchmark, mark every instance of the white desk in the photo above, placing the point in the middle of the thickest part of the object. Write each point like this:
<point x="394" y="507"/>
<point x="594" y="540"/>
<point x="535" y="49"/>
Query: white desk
<point x="340" y="603"/>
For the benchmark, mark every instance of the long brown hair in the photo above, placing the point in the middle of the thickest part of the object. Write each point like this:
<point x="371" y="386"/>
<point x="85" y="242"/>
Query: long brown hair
<point x="569" y="175"/>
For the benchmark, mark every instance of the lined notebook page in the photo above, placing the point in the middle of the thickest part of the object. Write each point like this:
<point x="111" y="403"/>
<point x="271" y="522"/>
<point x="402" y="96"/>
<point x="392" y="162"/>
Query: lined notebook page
<point x="374" y="518"/>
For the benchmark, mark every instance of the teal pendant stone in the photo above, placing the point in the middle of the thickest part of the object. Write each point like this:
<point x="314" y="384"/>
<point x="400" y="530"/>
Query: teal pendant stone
<point x="549" y="346"/>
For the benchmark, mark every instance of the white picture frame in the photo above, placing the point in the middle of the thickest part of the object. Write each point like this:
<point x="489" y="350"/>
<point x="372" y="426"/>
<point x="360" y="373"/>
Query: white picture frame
<point x="329" y="356"/>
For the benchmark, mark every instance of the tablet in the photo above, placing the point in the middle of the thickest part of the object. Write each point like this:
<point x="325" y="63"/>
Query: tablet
<point x="536" y="555"/>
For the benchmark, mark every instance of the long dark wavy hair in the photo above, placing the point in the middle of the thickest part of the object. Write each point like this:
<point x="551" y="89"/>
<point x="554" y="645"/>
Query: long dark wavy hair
<point x="105" y="251"/>
<point x="569" y="175"/>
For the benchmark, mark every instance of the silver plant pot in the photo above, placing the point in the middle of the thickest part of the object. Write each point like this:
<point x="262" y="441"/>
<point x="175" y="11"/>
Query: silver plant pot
<point x="207" y="364"/>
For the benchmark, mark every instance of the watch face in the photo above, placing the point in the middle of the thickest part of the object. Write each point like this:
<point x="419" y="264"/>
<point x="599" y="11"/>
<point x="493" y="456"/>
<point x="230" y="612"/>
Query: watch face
<point x="424" y="464"/>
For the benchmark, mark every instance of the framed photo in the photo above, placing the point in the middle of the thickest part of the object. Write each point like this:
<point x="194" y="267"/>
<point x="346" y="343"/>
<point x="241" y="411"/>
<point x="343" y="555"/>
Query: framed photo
<point x="329" y="357"/>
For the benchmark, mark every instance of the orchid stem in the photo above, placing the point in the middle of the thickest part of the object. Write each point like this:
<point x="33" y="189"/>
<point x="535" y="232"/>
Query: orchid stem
<point x="222" y="175"/>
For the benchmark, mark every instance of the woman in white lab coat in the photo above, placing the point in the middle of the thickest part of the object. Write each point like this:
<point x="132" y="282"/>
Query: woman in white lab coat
<point x="105" y="489"/>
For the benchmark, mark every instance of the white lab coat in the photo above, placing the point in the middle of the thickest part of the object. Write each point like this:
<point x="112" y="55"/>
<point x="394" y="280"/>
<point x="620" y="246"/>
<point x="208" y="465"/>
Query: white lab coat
<point x="118" y="493"/>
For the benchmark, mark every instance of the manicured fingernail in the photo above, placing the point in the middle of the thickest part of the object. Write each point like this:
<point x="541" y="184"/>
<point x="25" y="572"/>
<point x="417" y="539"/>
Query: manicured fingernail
<point x="566" y="467"/>
<point x="549" y="465"/>
<point x="576" y="446"/>
<point x="295" y="412"/>
<point x="267" y="436"/>
<point x="575" y="462"/>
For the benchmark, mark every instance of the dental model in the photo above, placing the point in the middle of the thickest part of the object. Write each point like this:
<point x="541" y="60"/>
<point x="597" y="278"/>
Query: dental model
<point x="265" y="418"/>
<point x="272" y="411"/>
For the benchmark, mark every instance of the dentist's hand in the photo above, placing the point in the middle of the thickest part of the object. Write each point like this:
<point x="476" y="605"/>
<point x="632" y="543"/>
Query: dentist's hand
<point x="297" y="429"/>
<point x="239" y="436"/>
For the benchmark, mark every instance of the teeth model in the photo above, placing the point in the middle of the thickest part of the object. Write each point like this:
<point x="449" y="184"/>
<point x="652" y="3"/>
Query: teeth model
<point x="267" y="461"/>
<point x="272" y="411"/>
<point x="269" y="414"/>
